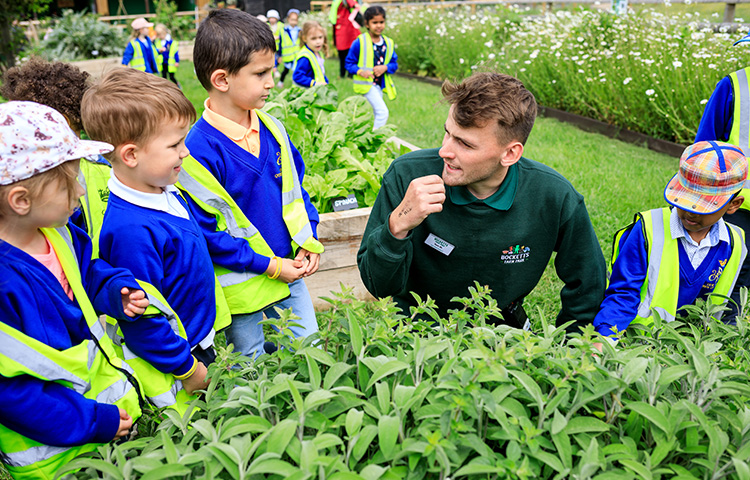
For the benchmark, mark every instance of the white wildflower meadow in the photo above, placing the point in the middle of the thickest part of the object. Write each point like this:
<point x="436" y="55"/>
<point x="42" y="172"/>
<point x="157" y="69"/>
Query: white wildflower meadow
<point x="561" y="56"/>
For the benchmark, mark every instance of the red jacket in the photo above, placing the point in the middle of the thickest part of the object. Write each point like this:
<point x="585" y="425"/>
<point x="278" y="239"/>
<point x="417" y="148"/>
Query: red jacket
<point x="346" y="31"/>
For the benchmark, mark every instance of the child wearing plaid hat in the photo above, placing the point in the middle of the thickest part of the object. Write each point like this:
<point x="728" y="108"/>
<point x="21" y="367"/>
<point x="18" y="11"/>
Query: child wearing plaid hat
<point x="668" y="258"/>
<point x="63" y="390"/>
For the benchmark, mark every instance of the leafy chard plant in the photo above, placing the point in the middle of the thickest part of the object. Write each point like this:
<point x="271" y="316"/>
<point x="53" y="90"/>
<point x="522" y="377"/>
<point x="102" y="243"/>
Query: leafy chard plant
<point x="342" y="153"/>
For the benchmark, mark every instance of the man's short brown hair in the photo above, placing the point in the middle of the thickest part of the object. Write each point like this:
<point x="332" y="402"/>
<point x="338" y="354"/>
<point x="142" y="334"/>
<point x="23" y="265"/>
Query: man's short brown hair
<point x="130" y="106"/>
<point x="493" y="97"/>
<point x="57" y="85"/>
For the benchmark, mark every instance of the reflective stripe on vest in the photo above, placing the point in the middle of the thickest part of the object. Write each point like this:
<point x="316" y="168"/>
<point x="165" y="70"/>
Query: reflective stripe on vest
<point x="93" y="177"/>
<point x="289" y="49"/>
<point x="249" y="292"/>
<point x="660" y="289"/>
<point x="293" y="204"/>
<point x="740" y="133"/>
<point x="139" y="60"/>
<point x="160" y="388"/>
<point x="83" y="367"/>
<point x="319" y="76"/>
<point x="366" y="62"/>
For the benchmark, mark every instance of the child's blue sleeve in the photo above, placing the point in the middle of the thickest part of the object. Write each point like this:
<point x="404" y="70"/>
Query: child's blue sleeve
<point x="393" y="64"/>
<point x="312" y="212"/>
<point x="621" y="300"/>
<point x="303" y="74"/>
<point x="234" y="254"/>
<point x="139" y="250"/>
<point x="352" y="58"/>
<point x="716" y="122"/>
<point x="128" y="55"/>
<point x="55" y="415"/>
<point x="101" y="281"/>
<point x="177" y="56"/>
<point x="48" y="412"/>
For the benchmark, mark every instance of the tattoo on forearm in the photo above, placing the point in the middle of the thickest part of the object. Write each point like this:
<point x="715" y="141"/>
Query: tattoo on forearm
<point x="404" y="211"/>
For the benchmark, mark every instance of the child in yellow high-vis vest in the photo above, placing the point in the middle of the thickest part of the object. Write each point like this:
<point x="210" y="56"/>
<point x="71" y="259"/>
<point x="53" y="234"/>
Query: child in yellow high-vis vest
<point x="668" y="258"/>
<point x="61" y="86"/>
<point x="372" y="60"/>
<point x="288" y="43"/>
<point x="64" y="390"/>
<point x="141" y="53"/>
<point x="148" y="229"/>
<point x="309" y="66"/>
<point x="244" y="183"/>
<point x="169" y="55"/>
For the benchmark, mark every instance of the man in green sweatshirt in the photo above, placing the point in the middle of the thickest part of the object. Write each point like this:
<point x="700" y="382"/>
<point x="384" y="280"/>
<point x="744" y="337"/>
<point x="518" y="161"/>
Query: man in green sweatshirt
<point x="476" y="209"/>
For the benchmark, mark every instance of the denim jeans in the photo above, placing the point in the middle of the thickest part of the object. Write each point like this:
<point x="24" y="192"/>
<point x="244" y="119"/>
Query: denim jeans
<point x="380" y="109"/>
<point x="247" y="335"/>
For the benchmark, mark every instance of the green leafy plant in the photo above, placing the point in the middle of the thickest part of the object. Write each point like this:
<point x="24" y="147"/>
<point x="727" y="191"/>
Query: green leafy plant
<point x="80" y="36"/>
<point x="342" y="153"/>
<point x="378" y="394"/>
<point x="181" y="27"/>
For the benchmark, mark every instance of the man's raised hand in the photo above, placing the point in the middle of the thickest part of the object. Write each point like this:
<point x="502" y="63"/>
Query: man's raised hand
<point x="424" y="196"/>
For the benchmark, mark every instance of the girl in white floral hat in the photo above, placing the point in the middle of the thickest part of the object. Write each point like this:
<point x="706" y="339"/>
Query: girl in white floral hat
<point x="63" y="387"/>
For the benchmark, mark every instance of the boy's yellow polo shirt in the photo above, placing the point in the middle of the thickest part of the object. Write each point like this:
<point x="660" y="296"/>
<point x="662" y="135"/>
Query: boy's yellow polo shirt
<point x="246" y="138"/>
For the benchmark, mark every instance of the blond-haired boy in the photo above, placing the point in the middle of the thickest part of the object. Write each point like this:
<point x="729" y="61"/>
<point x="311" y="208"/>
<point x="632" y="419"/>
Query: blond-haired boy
<point x="148" y="229"/>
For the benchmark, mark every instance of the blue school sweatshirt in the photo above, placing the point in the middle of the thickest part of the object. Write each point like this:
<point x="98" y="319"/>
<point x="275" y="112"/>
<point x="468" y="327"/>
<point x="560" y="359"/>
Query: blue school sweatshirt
<point x="716" y="122"/>
<point x="33" y="302"/>
<point x="171" y="254"/>
<point x="255" y="184"/>
<point x="620" y="305"/>
<point x="303" y="74"/>
<point x="352" y="60"/>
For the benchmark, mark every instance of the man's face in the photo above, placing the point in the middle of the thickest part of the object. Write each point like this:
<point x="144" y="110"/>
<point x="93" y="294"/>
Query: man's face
<point x="471" y="155"/>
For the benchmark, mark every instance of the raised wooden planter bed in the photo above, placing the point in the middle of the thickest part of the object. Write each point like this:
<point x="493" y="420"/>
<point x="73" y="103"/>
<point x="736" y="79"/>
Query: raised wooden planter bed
<point x="341" y="234"/>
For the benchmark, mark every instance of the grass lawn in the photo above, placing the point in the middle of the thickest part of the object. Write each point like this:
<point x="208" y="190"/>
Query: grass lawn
<point x="617" y="179"/>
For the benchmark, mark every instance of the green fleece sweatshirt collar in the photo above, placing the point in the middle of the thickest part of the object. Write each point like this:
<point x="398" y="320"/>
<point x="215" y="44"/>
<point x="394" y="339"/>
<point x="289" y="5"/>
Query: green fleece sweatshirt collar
<point x="500" y="200"/>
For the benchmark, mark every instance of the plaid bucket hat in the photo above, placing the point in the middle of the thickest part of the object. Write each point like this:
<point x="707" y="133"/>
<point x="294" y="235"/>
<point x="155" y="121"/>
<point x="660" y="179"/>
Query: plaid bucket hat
<point x="35" y="138"/>
<point x="710" y="174"/>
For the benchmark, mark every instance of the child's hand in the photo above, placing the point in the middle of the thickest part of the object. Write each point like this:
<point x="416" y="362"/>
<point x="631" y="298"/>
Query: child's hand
<point x="291" y="270"/>
<point x="365" y="73"/>
<point x="312" y="261"/>
<point x="126" y="423"/>
<point x="134" y="302"/>
<point x="379" y="70"/>
<point x="196" y="381"/>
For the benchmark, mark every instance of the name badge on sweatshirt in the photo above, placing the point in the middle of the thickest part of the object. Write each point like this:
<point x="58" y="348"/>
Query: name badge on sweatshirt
<point x="439" y="244"/>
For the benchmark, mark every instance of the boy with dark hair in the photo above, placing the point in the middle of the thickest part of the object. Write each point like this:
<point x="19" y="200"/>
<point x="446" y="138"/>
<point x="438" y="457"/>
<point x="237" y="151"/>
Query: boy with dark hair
<point x="149" y="230"/>
<point x="668" y="259"/>
<point x="245" y="182"/>
<point x="477" y="210"/>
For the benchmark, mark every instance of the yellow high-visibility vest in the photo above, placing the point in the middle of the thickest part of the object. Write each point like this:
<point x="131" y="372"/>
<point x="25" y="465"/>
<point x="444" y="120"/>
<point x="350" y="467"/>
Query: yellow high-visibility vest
<point x="740" y="133"/>
<point x="93" y="177"/>
<point x="319" y="76"/>
<point x="171" y="56"/>
<point x="660" y="289"/>
<point x="91" y="368"/>
<point x="249" y="292"/>
<point x="139" y="60"/>
<point x="366" y="62"/>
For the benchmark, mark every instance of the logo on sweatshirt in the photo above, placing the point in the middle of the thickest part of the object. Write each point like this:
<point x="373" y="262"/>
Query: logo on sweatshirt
<point x="515" y="254"/>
